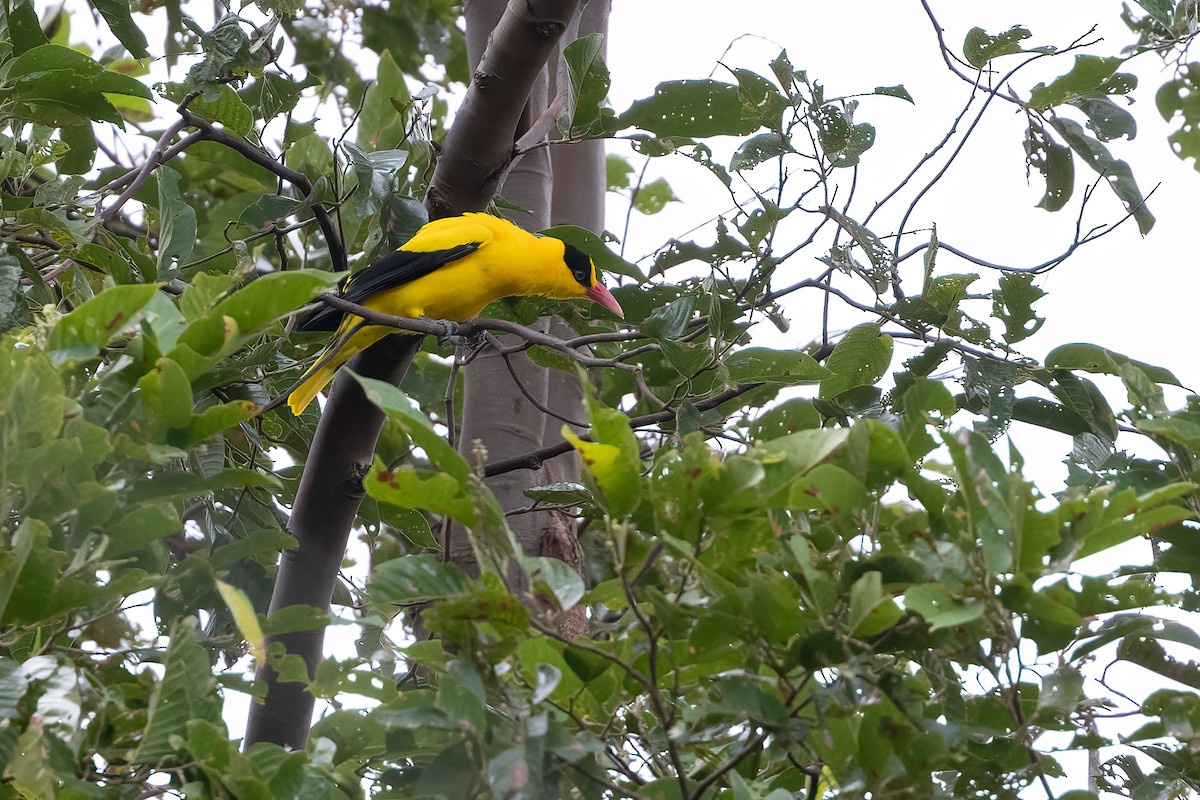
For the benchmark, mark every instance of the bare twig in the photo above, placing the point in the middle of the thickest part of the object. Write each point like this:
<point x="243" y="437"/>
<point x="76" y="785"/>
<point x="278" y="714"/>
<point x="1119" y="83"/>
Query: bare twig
<point x="534" y="459"/>
<point x="337" y="254"/>
<point x="445" y="328"/>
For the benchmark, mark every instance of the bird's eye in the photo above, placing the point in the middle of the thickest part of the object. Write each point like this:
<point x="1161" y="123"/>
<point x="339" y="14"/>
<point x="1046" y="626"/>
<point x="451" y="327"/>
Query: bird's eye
<point x="580" y="275"/>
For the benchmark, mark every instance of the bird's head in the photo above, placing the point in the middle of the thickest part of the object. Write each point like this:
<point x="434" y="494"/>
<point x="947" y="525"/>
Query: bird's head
<point x="587" y="279"/>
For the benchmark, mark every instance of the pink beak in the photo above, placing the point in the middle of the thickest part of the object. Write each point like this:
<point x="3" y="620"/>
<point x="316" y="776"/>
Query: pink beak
<point x="604" y="297"/>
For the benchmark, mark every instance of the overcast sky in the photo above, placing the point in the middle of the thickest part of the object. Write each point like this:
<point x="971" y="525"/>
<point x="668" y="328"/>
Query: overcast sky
<point x="1131" y="294"/>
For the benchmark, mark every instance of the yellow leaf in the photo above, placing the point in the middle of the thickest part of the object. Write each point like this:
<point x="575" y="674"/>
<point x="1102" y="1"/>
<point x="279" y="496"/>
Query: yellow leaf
<point x="244" y="617"/>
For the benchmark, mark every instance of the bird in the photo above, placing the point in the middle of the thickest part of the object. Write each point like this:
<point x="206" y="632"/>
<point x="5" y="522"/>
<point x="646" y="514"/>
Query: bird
<point x="449" y="270"/>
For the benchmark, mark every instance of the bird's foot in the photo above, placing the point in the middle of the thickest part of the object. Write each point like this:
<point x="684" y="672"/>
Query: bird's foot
<point x="449" y="332"/>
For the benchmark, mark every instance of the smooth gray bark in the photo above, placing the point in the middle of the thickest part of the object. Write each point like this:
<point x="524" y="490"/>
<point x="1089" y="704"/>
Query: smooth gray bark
<point x="475" y="154"/>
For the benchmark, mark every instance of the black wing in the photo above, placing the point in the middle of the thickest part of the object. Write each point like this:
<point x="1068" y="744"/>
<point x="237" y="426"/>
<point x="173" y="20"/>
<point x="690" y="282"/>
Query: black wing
<point x="395" y="269"/>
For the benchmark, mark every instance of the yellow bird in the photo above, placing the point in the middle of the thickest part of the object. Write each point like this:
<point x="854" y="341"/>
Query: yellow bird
<point x="450" y="269"/>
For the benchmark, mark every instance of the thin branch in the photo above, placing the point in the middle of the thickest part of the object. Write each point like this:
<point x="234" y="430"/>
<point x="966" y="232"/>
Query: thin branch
<point x="612" y="787"/>
<point x="135" y="179"/>
<point x="536" y="134"/>
<point x="656" y="700"/>
<point x="469" y="328"/>
<point x="1077" y="241"/>
<point x="540" y="406"/>
<point x="535" y="458"/>
<point x="298" y="179"/>
<point x="751" y="745"/>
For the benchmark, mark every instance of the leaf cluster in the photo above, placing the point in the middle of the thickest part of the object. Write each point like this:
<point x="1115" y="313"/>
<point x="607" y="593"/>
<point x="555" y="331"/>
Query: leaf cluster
<point x="812" y="570"/>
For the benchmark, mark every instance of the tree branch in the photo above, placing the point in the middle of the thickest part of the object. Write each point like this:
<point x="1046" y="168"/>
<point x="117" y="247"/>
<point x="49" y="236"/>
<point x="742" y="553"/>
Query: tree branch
<point x="534" y="460"/>
<point x="472" y="165"/>
<point x="337" y="254"/>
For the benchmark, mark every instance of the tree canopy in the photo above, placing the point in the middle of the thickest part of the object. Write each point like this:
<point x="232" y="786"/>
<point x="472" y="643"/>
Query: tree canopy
<point x="811" y="571"/>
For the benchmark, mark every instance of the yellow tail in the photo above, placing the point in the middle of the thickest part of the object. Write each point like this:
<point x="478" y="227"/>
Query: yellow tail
<point x="316" y="379"/>
<point x="321" y="373"/>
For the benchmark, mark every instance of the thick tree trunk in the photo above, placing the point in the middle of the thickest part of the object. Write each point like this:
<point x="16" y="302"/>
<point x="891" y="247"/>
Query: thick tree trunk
<point x="326" y="505"/>
<point x="476" y="152"/>
<point x="504" y="398"/>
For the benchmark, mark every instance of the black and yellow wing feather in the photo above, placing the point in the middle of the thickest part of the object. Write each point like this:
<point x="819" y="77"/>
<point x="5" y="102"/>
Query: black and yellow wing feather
<point x="394" y="269"/>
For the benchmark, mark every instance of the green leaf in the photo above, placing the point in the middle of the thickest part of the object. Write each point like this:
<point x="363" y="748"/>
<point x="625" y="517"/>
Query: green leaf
<point x="653" y="197"/>
<point x="1055" y="163"/>
<point x="414" y="579"/>
<point x="32" y="400"/>
<point x="1085" y="399"/>
<point x="376" y="173"/>
<point x="563" y="583"/>
<point x="861" y="358"/>
<point x="116" y="264"/>
<point x="842" y="141"/>
<point x="81" y="157"/>
<point x="939" y="607"/>
<point x="784" y="367"/>
<point x="97" y="322"/>
<point x="412" y="525"/>
<point x="186" y="693"/>
<point x="212" y="421"/>
<point x="437" y="492"/>
<point x="1160" y="10"/>
<point x="1122" y="625"/>
<point x="1149" y="654"/>
<point x="274" y="94"/>
<point x="759" y="148"/>
<point x="617" y="172"/>
<point x="760" y="98"/>
<point x="166" y="395"/>
<point x="24" y="28"/>
<point x="988" y="390"/>
<point x="1105" y="118"/>
<point x="871" y="610"/>
<point x="177" y="223"/>
<point x="57" y="68"/>
<point x="224" y="107"/>
<point x="62" y="87"/>
<point x="1012" y="304"/>
<point x="565" y="493"/>
<point x="120" y="22"/>
<point x="670" y="321"/>
<point x="264" y="543"/>
<point x="20" y="546"/>
<point x="1109" y="533"/>
<point x="267" y="209"/>
<point x="1092" y="358"/>
<point x="1086" y="76"/>
<point x="878" y="253"/>
<point x="254" y="307"/>
<point x="588" y="84"/>
<point x="695" y="108"/>
<point x="417" y="426"/>
<point x="895" y="91"/>
<point x="142" y="527"/>
<point x="979" y="48"/>
<point x="1117" y="173"/>
<point x="1180" y="99"/>
<point x="800" y="451"/>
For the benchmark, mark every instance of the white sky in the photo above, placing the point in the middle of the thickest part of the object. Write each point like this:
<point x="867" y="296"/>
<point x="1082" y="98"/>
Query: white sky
<point x="1124" y="292"/>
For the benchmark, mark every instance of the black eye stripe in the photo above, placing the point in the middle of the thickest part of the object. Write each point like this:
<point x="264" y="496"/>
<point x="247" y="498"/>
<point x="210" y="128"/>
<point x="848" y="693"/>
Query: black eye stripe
<point x="579" y="264"/>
